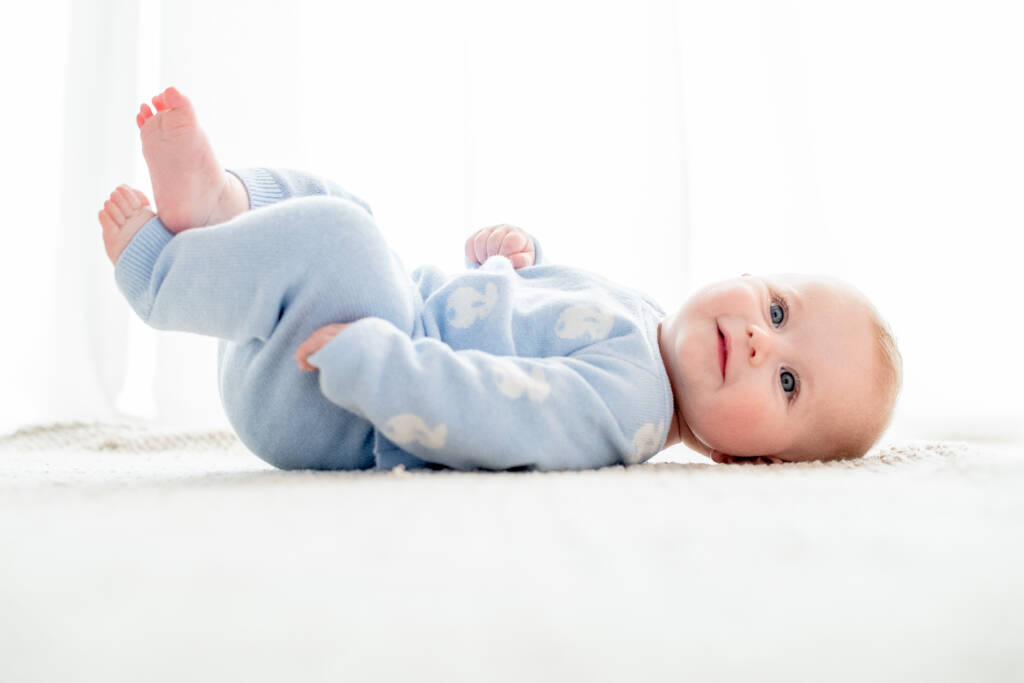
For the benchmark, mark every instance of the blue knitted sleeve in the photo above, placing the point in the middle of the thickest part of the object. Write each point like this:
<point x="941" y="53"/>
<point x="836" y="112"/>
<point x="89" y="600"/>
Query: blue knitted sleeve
<point x="468" y="409"/>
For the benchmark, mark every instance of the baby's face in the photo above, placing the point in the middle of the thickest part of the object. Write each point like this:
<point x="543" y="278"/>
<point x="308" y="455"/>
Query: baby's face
<point x="765" y="365"/>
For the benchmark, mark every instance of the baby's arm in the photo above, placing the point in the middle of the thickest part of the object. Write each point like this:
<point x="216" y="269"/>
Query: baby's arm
<point x="469" y="409"/>
<point x="514" y="243"/>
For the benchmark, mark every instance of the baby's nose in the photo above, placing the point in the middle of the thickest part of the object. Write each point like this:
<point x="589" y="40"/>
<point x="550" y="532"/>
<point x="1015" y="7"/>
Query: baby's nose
<point x="759" y="344"/>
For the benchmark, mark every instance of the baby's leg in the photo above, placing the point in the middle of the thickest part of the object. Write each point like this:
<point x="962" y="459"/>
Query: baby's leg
<point x="263" y="282"/>
<point x="238" y="280"/>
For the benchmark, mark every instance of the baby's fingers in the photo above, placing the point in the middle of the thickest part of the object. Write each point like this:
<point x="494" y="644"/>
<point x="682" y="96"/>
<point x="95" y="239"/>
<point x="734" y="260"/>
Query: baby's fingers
<point x="521" y="260"/>
<point x="480" y="244"/>
<point x="513" y="241"/>
<point x="477" y="240"/>
<point x="307" y="348"/>
<point x="503" y="239"/>
<point x="495" y="239"/>
<point x="470" y="249"/>
<point x="315" y="342"/>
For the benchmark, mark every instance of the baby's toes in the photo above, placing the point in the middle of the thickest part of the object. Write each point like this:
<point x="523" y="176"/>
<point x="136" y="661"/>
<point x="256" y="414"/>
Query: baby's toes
<point x="127" y="195"/>
<point x="109" y="226"/>
<point x="521" y="260"/>
<point x="514" y="241"/>
<point x="114" y="211"/>
<point x="123" y="203"/>
<point x="160" y="103"/>
<point x="143" y="199"/>
<point x="145" y="114"/>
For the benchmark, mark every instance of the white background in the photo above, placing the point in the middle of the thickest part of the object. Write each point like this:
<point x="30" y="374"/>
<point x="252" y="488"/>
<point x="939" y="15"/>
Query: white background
<point x="661" y="144"/>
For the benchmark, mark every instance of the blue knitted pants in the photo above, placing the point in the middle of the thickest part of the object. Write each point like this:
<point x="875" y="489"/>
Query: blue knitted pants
<point x="308" y="254"/>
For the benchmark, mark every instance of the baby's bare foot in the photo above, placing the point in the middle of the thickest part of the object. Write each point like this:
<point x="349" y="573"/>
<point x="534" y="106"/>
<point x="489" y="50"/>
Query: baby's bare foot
<point x="190" y="187"/>
<point x="121" y="217"/>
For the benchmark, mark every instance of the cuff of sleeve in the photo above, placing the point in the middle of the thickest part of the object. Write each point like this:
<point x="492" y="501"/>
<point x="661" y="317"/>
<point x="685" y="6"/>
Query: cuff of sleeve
<point x="134" y="268"/>
<point x="538" y="255"/>
<point x="261" y="185"/>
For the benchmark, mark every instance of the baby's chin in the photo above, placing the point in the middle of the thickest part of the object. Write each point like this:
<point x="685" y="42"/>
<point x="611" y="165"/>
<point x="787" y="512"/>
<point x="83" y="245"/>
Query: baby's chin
<point x="719" y="436"/>
<point x="747" y="451"/>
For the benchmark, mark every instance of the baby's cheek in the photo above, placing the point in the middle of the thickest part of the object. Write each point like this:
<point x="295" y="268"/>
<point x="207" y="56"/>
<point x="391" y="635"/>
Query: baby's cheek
<point x="743" y="427"/>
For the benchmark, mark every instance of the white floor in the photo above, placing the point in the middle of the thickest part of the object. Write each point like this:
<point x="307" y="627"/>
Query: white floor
<point x="136" y="555"/>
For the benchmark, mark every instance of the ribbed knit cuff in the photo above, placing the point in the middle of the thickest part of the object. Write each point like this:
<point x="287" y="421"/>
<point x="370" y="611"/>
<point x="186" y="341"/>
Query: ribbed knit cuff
<point x="134" y="269"/>
<point x="261" y="185"/>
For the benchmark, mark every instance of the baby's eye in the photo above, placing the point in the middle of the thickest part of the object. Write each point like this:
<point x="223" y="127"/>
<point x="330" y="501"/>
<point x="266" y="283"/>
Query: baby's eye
<point x="777" y="313"/>
<point x="788" y="381"/>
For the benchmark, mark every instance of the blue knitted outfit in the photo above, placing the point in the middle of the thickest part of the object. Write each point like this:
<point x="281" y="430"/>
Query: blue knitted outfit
<point x="542" y="368"/>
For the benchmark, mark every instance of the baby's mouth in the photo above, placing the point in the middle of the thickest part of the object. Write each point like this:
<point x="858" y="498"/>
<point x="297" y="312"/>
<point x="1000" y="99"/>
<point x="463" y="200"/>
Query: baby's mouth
<point x="723" y="351"/>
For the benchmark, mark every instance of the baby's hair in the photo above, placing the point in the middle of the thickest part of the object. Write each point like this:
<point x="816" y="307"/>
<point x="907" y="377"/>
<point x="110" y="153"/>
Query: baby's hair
<point x="888" y="384"/>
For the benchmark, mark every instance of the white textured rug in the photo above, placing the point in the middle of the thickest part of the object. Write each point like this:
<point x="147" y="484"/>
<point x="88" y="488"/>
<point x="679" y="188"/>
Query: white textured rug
<point x="133" y="554"/>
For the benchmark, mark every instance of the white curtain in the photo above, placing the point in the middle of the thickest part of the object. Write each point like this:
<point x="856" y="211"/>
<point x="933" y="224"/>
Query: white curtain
<point x="663" y="144"/>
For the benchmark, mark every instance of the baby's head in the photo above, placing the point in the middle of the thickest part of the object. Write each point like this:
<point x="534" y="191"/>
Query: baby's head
<point x="811" y="371"/>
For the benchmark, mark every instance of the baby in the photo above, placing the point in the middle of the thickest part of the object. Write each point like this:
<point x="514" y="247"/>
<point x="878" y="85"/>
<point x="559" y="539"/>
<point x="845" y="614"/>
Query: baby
<point x="514" y="365"/>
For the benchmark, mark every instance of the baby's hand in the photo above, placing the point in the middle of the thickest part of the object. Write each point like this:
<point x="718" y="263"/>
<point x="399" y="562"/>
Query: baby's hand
<point x="317" y="341"/>
<point x="507" y="240"/>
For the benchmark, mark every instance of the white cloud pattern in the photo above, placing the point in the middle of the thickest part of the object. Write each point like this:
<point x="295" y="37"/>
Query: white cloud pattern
<point x="576" y="321"/>
<point x="405" y="428"/>
<point x="513" y="381"/>
<point x="646" y="442"/>
<point x="466" y="305"/>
